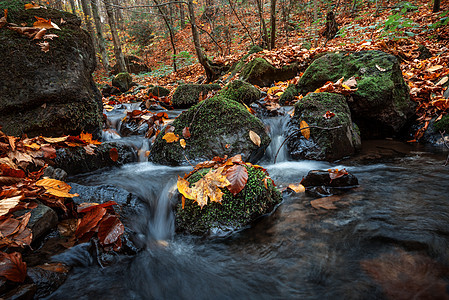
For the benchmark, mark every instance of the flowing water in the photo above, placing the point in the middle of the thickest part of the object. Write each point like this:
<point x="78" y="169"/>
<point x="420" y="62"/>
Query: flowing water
<point x="389" y="235"/>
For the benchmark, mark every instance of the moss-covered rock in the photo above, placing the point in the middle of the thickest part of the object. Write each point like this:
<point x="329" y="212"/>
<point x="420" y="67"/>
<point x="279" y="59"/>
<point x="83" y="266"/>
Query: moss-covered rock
<point x="159" y="91"/>
<point x="262" y="73"/>
<point x="241" y="91"/>
<point x="187" y="95"/>
<point x="122" y="81"/>
<point x="234" y="212"/>
<point x="327" y="145"/>
<point x="381" y="106"/>
<point x="218" y="127"/>
<point x="288" y="95"/>
<point x="50" y="93"/>
<point x="443" y="124"/>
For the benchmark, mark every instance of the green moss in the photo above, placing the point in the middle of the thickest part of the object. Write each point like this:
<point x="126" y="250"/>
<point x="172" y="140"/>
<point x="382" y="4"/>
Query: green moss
<point x="187" y="95"/>
<point x="241" y="91"/>
<point x="256" y="68"/>
<point x="159" y="91"/>
<point x="289" y="94"/>
<point x="234" y="212"/>
<point x="443" y="124"/>
<point x="211" y="122"/>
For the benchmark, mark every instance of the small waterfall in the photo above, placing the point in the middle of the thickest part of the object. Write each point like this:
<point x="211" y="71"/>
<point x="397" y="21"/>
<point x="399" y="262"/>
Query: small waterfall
<point x="277" y="126"/>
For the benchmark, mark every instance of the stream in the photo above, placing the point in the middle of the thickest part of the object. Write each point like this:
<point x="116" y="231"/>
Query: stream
<point x="390" y="235"/>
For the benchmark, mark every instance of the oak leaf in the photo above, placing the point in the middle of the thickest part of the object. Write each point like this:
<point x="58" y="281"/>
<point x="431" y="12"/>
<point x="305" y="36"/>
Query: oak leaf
<point x="44" y="23"/>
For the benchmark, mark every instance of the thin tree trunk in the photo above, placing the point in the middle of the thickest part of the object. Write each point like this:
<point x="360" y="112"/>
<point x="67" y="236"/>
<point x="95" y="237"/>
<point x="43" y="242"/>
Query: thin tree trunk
<point x="90" y="29"/>
<point x="246" y="28"/>
<point x="118" y="14"/>
<point x="315" y="20"/>
<point x="115" y="38"/>
<point x="436" y="6"/>
<point x="100" y="38"/>
<point x="262" y="21"/>
<point x="170" y="32"/>
<point x="182" y="16"/>
<point x="273" y="24"/>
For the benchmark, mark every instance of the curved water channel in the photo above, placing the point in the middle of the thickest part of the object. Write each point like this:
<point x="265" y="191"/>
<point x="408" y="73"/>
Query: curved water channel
<point x="388" y="238"/>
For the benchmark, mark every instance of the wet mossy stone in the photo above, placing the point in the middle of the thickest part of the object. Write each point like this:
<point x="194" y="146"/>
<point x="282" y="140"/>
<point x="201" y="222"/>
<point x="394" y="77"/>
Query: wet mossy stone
<point x="52" y="93"/>
<point x="329" y="145"/>
<point x="234" y="212"/>
<point x="187" y="95"/>
<point x="288" y="95"/>
<point x="159" y="91"/>
<point x="261" y="73"/>
<point x="381" y="106"/>
<point x="241" y="91"/>
<point x="218" y="127"/>
<point x="122" y="81"/>
<point x="443" y="124"/>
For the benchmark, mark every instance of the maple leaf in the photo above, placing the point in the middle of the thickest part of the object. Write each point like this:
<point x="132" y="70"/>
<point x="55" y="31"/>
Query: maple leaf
<point x="56" y="188"/>
<point x="44" y="23"/>
<point x="12" y="267"/>
<point x="306" y="131"/>
<point x="237" y="176"/>
<point x="171" y="137"/>
<point x="255" y="138"/>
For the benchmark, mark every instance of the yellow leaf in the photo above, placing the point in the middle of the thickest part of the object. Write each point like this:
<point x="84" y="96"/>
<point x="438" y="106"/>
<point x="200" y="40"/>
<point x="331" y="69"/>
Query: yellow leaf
<point x="55" y="140"/>
<point x="33" y="146"/>
<point x="297" y="188"/>
<point x="305" y="132"/>
<point x="56" y="187"/>
<point x="108" y="107"/>
<point x="279" y="94"/>
<point x="345" y="86"/>
<point x="171" y="137"/>
<point x="184" y="189"/>
<point x="182" y="142"/>
<point x="255" y="138"/>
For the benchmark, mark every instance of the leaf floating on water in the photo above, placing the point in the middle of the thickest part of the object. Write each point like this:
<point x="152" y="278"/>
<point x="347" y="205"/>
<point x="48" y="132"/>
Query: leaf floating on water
<point x="237" y="175"/>
<point x="305" y="132"/>
<point x="297" y="188"/>
<point x="255" y="138"/>
<point x="171" y="137"/>
<point x="325" y="202"/>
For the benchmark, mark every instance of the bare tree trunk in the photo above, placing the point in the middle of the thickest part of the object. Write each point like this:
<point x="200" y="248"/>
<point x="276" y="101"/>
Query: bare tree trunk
<point x="246" y="28"/>
<point x="118" y="14"/>
<point x="315" y="20"/>
<point x="262" y="21"/>
<point x="90" y="29"/>
<point x="100" y="38"/>
<point x="182" y="16"/>
<point x="170" y="32"/>
<point x="115" y="38"/>
<point x="436" y="6"/>
<point x="273" y="24"/>
<point x="213" y="71"/>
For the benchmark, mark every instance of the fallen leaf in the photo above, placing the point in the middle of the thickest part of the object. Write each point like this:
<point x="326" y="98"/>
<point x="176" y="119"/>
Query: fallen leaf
<point x="111" y="228"/>
<point x="56" y="187"/>
<point x="186" y="132"/>
<point x="335" y="173"/>
<point x="55" y="140"/>
<point x="237" y="176"/>
<point x="325" y="202"/>
<point x="87" y="138"/>
<point x="45" y="46"/>
<point x="3" y="20"/>
<point x="9" y="203"/>
<point x="90" y="221"/>
<point x="255" y="138"/>
<point x="44" y="23"/>
<point x="434" y="68"/>
<point x="12" y="267"/>
<point x="113" y="154"/>
<point x="380" y="69"/>
<point x="297" y="188"/>
<point x="32" y="5"/>
<point x="55" y="267"/>
<point x="350" y="83"/>
<point x="40" y="34"/>
<point x="442" y="81"/>
<point x="328" y="115"/>
<point x="171" y="137"/>
<point x="182" y="142"/>
<point x="305" y="132"/>
<point x="184" y="189"/>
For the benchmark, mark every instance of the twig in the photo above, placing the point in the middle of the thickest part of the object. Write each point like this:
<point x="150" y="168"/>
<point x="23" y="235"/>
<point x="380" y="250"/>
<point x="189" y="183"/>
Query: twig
<point x="249" y="34"/>
<point x="447" y="146"/>
<point x="299" y="130"/>
<point x="188" y="160"/>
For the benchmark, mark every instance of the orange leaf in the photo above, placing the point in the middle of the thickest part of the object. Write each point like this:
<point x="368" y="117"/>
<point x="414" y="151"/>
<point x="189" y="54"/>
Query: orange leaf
<point x="12" y="267"/>
<point x="297" y="188"/>
<point x="44" y="23"/>
<point x="90" y="221"/>
<point x="110" y="230"/>
<point x="182" y="142"/>
<point x="87" y="138"/>
<point x="56" y="188"/>
<point x="113" y="154"/>
<point x="335" y="173"/>
<point x="32" y="5"/>
<point x="171" y="137"/>
<point x="305" y="132"/>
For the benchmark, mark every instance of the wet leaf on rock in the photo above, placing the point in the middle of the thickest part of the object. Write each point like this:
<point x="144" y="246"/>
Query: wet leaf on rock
<point x="237" y="176"/>
<point x="297" y="188"/>
<point x="171" y="137"/>
<point x="113" y="154"/>
<point x="306" y="131"/>
<point x="12" y="267"/>
<point x="255" y="138"/>
<point x="110" y="230"/>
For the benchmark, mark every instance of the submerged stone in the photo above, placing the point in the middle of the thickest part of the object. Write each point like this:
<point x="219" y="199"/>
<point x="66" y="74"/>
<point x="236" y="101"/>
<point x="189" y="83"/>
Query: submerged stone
<point x="234" y="212"/>
<point x="218" y="127"/>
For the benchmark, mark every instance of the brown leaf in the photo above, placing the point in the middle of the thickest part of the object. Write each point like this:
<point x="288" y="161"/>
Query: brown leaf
<point x="113" y="154"/>
<point x="255" y="138"/>
<point x="305" y="132"/>
<point x="10" y="172"/>
<point x="40" y="34"/>
<point x="45" y="46"/>
<point x="237" y="175"/>
<point x="9" y="203"/>
<point x="111" y="228"/>
<point x="55" y="267"/>
<point x="186" y="132"/>
<point x="44" y="23"/>
<point x="12" y="267"/>
<point x="8" y="227"/>
<point x="325" y="202"/>
<point x="90" y="221"/>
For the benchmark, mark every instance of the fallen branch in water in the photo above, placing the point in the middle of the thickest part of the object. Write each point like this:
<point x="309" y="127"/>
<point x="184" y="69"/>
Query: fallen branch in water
<point x="299" y="130"/>
<point x="447" y="146"/>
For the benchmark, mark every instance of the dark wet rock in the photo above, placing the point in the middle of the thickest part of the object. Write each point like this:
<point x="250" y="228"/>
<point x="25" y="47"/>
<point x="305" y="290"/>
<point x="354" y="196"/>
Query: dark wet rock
<point x="159" y="91"/>
<point x="133" y="64"/>
<point x="218" y="127"/>
<point x="187" y="95"/>
<point x="241" y="91"/>
<point x="42" y="220"/>
<point x="381" y="106"/>
<point x="234" y="212"/>
<point x="319" y="184"/>
<point x="58" y="174"/>
<point x="45" y="281"/>
<point x="261" y="73"/>
<point x="432" y="135"/>
<point x="132" y="128"/>
<point x="109" y="90"/>
<point x="76" y="160"/>
<point x="446" y="93"/>
<point x="327" y="145"/>
<point x="22" y="292"/>
<point x="122" y="81"/>
<point x="47" y="93"/>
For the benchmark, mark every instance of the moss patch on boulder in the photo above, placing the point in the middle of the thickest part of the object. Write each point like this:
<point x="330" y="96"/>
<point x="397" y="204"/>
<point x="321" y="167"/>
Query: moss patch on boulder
<point x="218" y="127"/>
<point x="234" y="212"/>
<point x="122" y="81"/>
<point x="241" y="91"/>
<point x="187" y="95"/>
<point x="443" y="124"/>
<point x="159" y="91"/>
<point x="261" y="73"/>
<point x="289" y="95"/>
<point x="329" y="145"/>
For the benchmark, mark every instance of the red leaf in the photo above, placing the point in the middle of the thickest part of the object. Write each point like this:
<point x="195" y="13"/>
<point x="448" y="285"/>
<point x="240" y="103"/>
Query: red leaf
<point x="90" y="207"/>
<point x="186" y="132"/>
<point x="328" y="115"/>
<point x="9" y="172"/>
<point x="113" y="154"/>
<point x="90" y="220"/>
<point x="49" y="152"/>
<point x="110" y="230"/>
<point x="237" y="175"/>
<point x="12" y="267"/>
<point x="335" y="173"/>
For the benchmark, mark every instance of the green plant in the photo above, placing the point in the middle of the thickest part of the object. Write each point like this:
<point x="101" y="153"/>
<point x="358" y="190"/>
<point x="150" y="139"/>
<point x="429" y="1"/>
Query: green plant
<point x="184" y="58"/>
<point x="397" y="26"/>
<point x="443" y="21"/>
<point x="142" y="31"/>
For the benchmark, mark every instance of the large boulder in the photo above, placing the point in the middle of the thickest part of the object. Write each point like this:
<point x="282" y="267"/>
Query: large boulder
<point x="187" y="95"/>
<point x="323" y="144"/>
<point x="234" y="212"/>
<point x="261" y="73"/>
<point x="381" y="105"/>
<point x="218" y="127"/>
<point x="159" y="91"/>
<point x="241" y="91"/>
<point x="47" y="93"/>
<point x="122" y="81"/>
